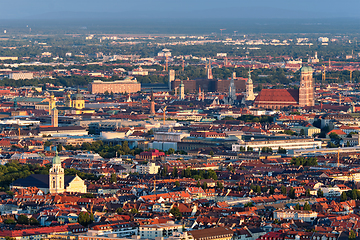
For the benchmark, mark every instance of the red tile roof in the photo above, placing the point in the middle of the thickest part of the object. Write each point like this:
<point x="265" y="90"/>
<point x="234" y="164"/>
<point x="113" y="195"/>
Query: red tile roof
<point x="278" y="95"/>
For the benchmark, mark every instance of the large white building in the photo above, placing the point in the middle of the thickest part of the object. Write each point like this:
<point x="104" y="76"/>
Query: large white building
<point x="170" y="136"/>
<point x="159" y="230"/>
<point x="289" y="143"/>
<point x="21" y="75"/>
<point x="149" y="168"/>
<point x="306" y="216"/>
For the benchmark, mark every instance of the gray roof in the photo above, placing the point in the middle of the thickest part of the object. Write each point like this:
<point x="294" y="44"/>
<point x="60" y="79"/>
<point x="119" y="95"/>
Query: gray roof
<point x="38" y="180"/>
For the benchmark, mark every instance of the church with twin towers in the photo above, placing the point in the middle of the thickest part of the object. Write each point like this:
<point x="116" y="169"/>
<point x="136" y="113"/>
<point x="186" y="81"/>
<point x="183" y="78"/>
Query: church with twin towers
<point x="267" y="98"/>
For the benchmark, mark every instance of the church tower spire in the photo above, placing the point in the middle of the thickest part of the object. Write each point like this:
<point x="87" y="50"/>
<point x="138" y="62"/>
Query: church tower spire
<point x="232" y="90"/>
<point x="209" y="71"/>
<point x="182" y="90"/>
<point x="249" y="89"/>
<point x="152" y="103"/>
<point x="52" y="103"/>
<point x="306" y="90"/>
<point x="56" y="176"/>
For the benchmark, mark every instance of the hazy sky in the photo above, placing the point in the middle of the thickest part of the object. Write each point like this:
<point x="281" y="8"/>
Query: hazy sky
<point x="43" y="9"/>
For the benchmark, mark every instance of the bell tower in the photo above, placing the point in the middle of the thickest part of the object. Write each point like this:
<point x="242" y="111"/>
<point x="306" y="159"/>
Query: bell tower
<point x="68" y="101"/>
<point x="52" y="103"/>
<point x="306" y="90"/>
<point x="249" y="89"/>
<point x="56" y="176"/>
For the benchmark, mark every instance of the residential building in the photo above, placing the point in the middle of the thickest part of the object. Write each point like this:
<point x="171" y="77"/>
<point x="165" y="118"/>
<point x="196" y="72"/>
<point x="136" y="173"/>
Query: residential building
<point x="306" y="216"/>
<point x="159" y="230"/>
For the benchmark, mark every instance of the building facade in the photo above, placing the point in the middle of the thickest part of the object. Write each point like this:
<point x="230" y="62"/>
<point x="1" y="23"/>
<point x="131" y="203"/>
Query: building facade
<point x="279" y="98"/>
<point x="296" y="143"/>
<point x="159" y="230"/>
<point x="121" y="86"/>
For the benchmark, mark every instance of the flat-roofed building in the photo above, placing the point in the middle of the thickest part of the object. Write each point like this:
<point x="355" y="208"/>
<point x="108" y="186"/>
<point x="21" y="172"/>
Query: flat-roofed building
<point x="306" y="216"/>
<point x="21" y="75"/>
<point x="286" y="143"/>
<point x="127" y="85"/>
<point x="170" y="136"/>
<point x="159" y="230"/>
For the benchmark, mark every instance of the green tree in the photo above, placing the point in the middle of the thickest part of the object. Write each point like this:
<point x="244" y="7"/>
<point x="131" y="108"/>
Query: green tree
<point x="204" y="185"/>
<point x="212" y="174"/>
<point x="198" y="184"/>
<point x="292" y="193"/>
<point x="343" y="197"/>
<point x="283" y="190"/>
<point x="354" y="194"/>
<point x="307" y="193"/>
<point x="211" y="153"/>
<point x="320" y="193"/>
<point x="297" y="206"/>
<point x="9" y="221"/>
<point x="134" y="211"/>
<point x="119" y="210"/>
<point x="113" y="178"/>
<point x="84" y="219"/>
<point x="23" y="219"/>
<point x="33" y="221"/>
<point x="171" y="151"/>
<point x="307" y="206"/>
<point x="258" y="189"/>
<point x="164" y="171"/>
<point x="59" y="148"/>
<point x="174" y="173"/>
<point x="176" y="212"/>
<point x="48" y="144"/>
<point x="272" y="190"/>
<point x="281" y="150"/>
<point x="352" y="235"/>
<point x="177" y="184"/>
<point x="302" y="132"/>
<point x="9" y="238"/>
<point x="88" y="195"/>
<point x="219" y="185"/>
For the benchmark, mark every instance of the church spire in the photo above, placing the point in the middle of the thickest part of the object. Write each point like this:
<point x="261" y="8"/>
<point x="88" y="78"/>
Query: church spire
<point x="249" y="96"/>
<point x="56" y="176"/>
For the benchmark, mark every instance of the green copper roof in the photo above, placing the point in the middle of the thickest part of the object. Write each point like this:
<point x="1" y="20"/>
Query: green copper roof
<point x="56" y="159"/>
<point x="306" y="69"/>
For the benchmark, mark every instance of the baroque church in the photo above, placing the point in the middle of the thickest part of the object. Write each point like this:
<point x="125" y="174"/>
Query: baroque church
<point x="279" y="98"/>
<point x="54" y="183"/>
<point x="74" y="104"/>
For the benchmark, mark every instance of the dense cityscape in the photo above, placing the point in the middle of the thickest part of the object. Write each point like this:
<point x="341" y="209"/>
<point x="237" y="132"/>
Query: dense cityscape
<point x="226" y="135"/>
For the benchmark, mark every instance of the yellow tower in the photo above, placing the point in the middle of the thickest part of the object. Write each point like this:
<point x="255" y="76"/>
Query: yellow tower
<point x="68" y="101"/>
<point x="56" y="176"/>
<point x="78" y="100"/>
<point x="52" y="103"/>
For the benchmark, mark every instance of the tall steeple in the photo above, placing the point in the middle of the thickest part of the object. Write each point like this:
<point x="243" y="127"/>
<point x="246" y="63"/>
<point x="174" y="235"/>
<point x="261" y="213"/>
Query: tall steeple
<point x="56" y="176"/>
<point x="306" y="90"/>
<point x="171" y="77"/>
<point x="232" y="90"/>
<point x="52" y="103"/>
<point x="54" y="117"/>
<point x="152" y="103"/>
<point x="182" y="91"/>
<point x="68" y="101"/>
<point x="200" y="95"/>
<point x="209" y="71"/>
<point x="249" y="89"/>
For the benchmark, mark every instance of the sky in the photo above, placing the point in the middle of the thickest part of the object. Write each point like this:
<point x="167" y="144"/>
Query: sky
<point x="182" y="9"/>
